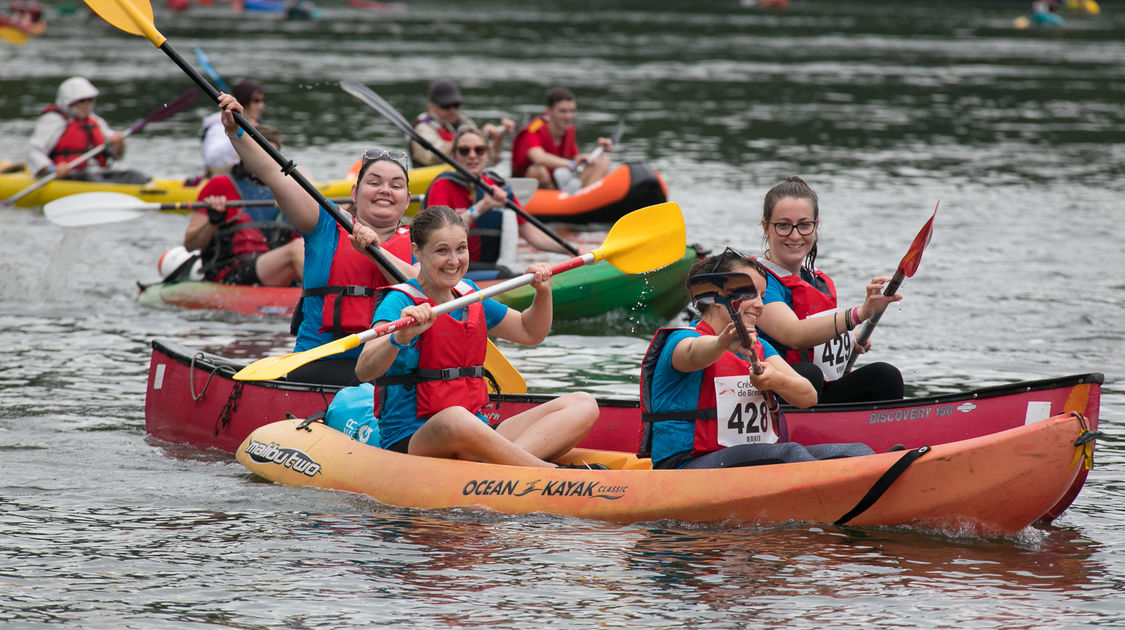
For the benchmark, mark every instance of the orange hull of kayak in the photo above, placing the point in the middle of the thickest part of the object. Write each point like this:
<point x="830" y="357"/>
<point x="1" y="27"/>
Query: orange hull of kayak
<point x="624" y="189"/>
<point x="995" y="484"/>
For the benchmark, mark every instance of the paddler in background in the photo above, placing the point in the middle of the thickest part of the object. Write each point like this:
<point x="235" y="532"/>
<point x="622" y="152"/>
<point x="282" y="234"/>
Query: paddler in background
<point x="69" y="128"/>
<point x="218" y="154"/>
<point x="548" y="143"/>
<point x="443" y="119"/>
<point x="697" y="409"/>
<point x="482" y="211"/>
<point x="247" y="246"/>
<point x="801" y="317"/>
<point x="339" y="276"/>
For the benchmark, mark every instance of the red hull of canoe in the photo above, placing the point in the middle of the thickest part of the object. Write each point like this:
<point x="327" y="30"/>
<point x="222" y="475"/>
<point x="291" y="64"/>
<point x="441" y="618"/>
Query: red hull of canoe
<point x="191" y="399"/>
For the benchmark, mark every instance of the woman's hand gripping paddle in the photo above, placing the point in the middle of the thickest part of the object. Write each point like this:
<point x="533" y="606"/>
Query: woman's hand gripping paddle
<point x="641" y="241"/>
<point x="726" y="284"/>
<point x="906" y="268"/>
<point x="135" y="16"/>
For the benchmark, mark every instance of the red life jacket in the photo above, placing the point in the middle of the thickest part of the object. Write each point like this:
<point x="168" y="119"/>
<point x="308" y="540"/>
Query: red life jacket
<point x="349" y="296"/>
<point x="486" y="231"/>
<point x="540" y="136"/>
<point x="443" y="130"/>
<point x="79" y="136"/>
<point x="451" y="358"/>
<point x="810" y="299"/>
<point x="705" y="413"/>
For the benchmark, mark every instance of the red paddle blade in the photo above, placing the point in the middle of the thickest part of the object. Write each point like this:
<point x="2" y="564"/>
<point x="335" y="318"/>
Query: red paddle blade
<point x="913" y="256"/>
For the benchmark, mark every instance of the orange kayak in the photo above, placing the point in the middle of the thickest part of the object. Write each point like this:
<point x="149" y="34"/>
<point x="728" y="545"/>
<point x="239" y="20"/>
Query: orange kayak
<point x="994" y="484"/>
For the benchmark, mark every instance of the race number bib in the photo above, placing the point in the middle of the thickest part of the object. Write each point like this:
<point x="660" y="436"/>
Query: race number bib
<point x="832" y="356"/>
<point x="741" y="413"/>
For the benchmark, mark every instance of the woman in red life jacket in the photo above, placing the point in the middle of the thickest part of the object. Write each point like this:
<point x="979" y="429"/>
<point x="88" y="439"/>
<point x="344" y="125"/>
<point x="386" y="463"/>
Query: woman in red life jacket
<point x="801" y="317"/>
<point x="69" y="128"/>
<point x="250" y="245"/>
<point x="431" y="377"/>
<point x="339" y="276"/>
<point x="481" y="210"/>
<point x="702" y="404"/>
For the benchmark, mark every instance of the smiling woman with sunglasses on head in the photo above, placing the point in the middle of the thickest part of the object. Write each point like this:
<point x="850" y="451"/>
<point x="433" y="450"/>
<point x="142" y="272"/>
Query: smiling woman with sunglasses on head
<point x="701" y="402"/>
<point x="340" y="277"/>
<point x="801" y="318"/>
<point x="482" y="210"/>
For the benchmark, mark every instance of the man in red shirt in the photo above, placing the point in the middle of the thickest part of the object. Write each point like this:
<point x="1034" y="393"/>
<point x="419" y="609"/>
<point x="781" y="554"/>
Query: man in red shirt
<point x="547" y="143"/>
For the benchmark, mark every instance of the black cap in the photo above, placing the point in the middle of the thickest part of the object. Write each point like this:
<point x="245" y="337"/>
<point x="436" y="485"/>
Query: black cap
<point x="444" y="93"/>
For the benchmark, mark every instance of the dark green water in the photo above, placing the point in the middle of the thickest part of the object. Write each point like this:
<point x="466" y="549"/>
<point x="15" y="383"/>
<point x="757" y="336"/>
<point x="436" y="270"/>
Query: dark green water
<point x="885" y="108"/>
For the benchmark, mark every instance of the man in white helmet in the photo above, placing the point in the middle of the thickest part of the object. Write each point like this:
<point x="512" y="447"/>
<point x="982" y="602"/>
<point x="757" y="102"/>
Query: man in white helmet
<point x="69" y="128"/>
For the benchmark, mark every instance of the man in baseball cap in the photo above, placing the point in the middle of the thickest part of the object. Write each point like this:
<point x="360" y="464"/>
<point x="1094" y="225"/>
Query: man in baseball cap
<point x="441" y="121"/>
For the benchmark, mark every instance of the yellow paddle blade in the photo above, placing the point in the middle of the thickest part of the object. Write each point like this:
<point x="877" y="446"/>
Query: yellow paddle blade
<point x="13" y="35"/>
<point x="271" y="368"/>
<point x="646" y="239"/>
<point x="503" y="371"/>
<point x="131" y="16"/>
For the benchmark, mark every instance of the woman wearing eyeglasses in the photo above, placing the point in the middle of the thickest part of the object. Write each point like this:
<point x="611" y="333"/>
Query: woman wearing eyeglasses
<point x="339" y="276"/>
<point x="702" y="405"/>
<point x="431" y="375"/>
<point x="481" y="210"/>
<point x="801" y="317"/>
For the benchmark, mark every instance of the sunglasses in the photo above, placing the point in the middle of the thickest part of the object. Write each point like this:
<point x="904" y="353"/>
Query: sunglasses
<point x="466" y="151"/>
<point x="728" y="254"/>
<point x="729" y="288"/>
<point x="450" y="106"/>
<point x="84" y="100"/>
<point x="397" y="156"/>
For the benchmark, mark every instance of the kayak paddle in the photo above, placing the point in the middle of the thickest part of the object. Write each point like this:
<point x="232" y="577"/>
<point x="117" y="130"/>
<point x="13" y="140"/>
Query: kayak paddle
<point x="641" y="241"/>
<point x="906" y="268"/>
<point x="205" y="63"/>
<point x="376" y="102"/>
<point x="135" y="16"/>
<point x="567" y="180"/>
<point x="167" y="110"/>
<point x="97" y="208"/>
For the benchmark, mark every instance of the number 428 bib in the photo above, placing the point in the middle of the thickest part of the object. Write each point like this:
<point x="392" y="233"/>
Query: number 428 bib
<point x="741" y="413"/>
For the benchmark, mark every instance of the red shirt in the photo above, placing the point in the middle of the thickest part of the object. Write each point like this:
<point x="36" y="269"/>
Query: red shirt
<point x="537" y="134"/>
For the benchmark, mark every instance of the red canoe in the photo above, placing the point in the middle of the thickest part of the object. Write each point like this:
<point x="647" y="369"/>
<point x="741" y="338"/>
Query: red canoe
<point x="192" y="399"/>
